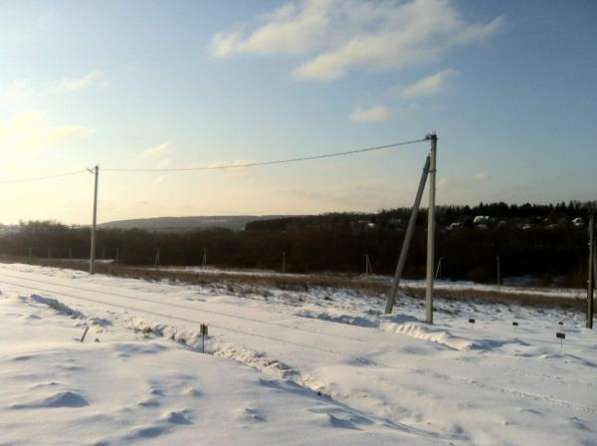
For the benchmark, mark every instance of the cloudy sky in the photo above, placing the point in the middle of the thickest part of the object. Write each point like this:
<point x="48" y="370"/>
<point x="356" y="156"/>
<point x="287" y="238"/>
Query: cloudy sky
<point x="509" y="86"/>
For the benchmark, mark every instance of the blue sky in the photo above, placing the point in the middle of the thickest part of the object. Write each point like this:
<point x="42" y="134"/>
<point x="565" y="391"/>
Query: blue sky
<point x="510" y="87"/>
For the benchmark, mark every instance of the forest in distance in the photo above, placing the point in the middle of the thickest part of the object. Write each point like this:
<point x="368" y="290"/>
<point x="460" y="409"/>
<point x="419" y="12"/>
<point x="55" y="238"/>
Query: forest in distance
<point x="547" y="242"/>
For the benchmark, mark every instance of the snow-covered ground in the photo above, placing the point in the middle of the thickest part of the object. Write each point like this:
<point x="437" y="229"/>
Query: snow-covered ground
<point x="323" y="366"/>
<point x="517" y="287"/>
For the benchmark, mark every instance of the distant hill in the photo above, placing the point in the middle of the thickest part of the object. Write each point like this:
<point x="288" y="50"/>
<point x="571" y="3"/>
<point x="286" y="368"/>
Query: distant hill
<point x="184" y="224"/>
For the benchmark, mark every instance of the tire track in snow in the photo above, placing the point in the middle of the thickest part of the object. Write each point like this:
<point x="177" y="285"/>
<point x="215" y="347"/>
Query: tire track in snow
<point x="185" y="307"/>
<point x="166" y="316"/>
<point x="344" y="355"/>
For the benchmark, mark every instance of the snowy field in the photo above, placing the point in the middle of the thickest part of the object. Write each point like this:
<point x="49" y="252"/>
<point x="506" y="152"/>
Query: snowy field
<point x="284" y="367"/>
<point x="456" y="285"/>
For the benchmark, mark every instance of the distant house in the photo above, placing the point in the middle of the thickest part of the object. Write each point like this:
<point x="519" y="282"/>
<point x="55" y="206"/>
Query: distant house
<point x="363" y="225"/>
<point x="481" y="219"/>
<point x="578" y="222"/>
<point x="454" y="226"/>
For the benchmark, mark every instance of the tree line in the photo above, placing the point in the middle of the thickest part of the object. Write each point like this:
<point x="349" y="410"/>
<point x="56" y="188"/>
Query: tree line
<point x="339" y="242"/>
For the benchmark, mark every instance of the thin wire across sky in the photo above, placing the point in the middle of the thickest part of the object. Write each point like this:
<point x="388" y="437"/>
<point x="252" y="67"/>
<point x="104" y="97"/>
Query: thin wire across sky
<point x="224" y="166"/>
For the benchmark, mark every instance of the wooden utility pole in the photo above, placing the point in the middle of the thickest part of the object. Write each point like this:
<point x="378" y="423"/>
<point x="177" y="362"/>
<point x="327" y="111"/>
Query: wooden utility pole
<point x="407" y="238"/>
<point x="498" y="270"/>
<point x="95" y="172"/>
<point x="204" y="259"/>
<point x="117" y="257"/>
<point x="283" y="261"/>
<point x="431" y="230"/>
<point x="591" y="272"/>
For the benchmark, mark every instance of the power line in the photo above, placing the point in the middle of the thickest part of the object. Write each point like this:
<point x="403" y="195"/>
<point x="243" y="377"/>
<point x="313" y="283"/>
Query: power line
<point x="223" y="166"/>
<point x="47" y="177"/>
<point x="271" y="162"/>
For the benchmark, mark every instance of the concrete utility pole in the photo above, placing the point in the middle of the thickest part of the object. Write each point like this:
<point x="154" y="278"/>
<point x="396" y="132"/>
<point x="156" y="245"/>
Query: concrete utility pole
<point x="407" y="238"/>
<point x="204" y="259"/>
<point x="591" y="272"/>
<point x="95" y="172"/>
<point x="431" y="230"/>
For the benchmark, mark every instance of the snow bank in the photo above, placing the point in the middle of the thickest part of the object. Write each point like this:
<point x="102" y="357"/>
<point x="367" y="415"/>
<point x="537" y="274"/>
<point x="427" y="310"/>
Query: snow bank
<point x="188" y="338"/>
<point x="427" y="333"/>
<point x="338" y="316"/>
<point x="56" y="305"/>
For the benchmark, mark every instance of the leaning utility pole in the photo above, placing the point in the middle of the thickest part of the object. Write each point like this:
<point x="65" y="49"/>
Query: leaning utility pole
<point x="591" y="272"/>
<point x="94" y="171"/>
<point x="407" y="239"/>
<point x="431" y="230"/>
<point x="438" y="270"/>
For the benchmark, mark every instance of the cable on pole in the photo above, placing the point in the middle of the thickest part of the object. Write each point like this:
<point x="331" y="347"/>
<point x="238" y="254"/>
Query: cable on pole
<point x="268" y="163"/>
<point x="41" y="178"/>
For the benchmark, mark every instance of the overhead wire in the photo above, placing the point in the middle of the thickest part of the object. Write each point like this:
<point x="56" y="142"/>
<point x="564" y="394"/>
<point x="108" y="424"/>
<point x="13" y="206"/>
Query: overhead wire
<point x="41" y="178"/>
<point x="267" y="163"/>
<point x="221" y="166"/>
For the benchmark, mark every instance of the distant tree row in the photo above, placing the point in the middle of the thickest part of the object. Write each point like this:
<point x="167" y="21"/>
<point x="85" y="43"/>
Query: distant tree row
<point x="445" y="215"/>
<point x="331" y="243"/>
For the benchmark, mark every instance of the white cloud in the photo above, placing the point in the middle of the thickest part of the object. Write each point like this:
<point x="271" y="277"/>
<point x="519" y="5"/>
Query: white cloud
<point x="428" y="85"/>
<point x="371" y="114"/>
<point x="335" y="36"/>
<point x="71" y="84"/>
<point x="31" y="131"/>
<point x="288" y="30"/>
<point x="157" y="151"/>
<point x="23" y="90"/>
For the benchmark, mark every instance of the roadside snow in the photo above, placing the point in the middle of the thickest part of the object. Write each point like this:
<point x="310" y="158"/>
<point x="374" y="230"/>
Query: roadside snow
<point x="134" y="387"/>
<point x="324" y="367"/>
